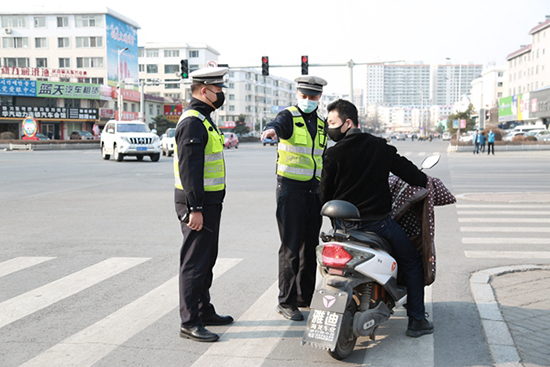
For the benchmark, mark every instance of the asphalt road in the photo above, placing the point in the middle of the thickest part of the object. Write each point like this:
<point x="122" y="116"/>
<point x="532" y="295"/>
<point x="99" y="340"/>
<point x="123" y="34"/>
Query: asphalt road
<point x="89" y="256"/>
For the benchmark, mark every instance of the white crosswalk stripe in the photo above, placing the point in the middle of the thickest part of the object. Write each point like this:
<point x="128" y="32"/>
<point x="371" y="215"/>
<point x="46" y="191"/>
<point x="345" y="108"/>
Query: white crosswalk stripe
<point x="20" y="263"/>
<point x="30" y="302"/>
<point x="93" y="343"/>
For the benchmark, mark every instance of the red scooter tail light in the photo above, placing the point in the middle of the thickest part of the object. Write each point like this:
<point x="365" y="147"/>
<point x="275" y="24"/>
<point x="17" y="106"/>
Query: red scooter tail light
<point x="335" y="256"/>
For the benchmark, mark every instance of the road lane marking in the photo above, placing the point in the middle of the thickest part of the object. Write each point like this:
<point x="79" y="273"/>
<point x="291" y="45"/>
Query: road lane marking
<point x="96" y="341"/>
<point x="502" y="206"/>
<point x="507" y="254"/>
<point x="42" y="297"/>
<point x="506" y="229"/>
<point x="502" y="212"/>
<point x="20" y="263"/>
<point x="250" y="340"/>
<point x="504" y="220"/>
<point x="506" y="240"/>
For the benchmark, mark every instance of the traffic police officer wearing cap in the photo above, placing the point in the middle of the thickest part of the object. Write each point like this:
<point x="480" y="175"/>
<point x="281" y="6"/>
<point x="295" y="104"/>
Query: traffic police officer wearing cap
<point x="199" y="170"/>
<point x="303" y="139"/>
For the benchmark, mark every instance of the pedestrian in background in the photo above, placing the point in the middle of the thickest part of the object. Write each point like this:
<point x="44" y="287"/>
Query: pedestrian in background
<point x="475" y="140"/>
<point x="490" y="142"/>
<point x="199" y="170"/>
<point x="303" y="139"/>
<point x="482" y="140"/>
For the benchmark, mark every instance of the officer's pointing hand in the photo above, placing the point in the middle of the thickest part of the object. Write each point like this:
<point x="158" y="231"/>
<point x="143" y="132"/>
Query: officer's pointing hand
<point x="195" y="221"/>
<point x="269" y="133"/>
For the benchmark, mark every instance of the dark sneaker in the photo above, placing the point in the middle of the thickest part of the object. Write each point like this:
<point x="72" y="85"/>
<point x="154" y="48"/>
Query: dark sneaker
<point x="291" y="313"/>
<point x="303" y="304"/>
<point x="419" y="327"/>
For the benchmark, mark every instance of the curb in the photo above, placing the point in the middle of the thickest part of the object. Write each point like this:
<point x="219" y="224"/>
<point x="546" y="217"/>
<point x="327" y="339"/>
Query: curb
<point x="498" y="336"/>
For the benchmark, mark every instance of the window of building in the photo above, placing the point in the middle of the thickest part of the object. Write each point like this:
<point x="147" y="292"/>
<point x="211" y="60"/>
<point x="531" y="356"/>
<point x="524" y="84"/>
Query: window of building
<point x="231" y="97"/>
<point x="231" y="108"/>
<point x="193" y="53"/>
<point x="64" y="62"/>
<point x="172" y="84"/>
<point x="193" y="67"/>
<point x="499" y="84"/>
<point x="171" y="53"/>
<point x="14" y="21"/>
<point x="150" y="109"/>
<point x="231" y="85"/>
<point x="41" y="62"/>
<point x="92" y="42"/>
<point x="39" y="22"/>
<point x="63" y="42"/>
<point x="16" y="62"/>
<point x="152" y="69"/>
<point x="62" y="22"/>
<point x="89" y="62"/>
<point x="171" y="69"/>
<point x="88" y="21"/>
<point x="40" y="42"/>
<point x="15" y="42"/>
<point x="141" y="52"/>
<point x="152" y="53"/>
<point x="141" y="68"/>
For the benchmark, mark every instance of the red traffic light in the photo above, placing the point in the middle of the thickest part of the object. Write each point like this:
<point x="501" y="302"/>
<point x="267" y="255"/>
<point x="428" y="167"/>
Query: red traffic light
<point x="264" y="59"/>
<point x="304" y="59"/>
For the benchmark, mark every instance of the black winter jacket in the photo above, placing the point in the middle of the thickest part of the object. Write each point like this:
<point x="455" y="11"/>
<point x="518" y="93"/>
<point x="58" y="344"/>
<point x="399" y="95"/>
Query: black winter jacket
<point x="357" y="168"/>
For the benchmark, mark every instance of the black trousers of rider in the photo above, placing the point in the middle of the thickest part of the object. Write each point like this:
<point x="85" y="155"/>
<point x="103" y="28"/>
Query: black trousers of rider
<point x="299" y="221"/>
<point x="197" y="259"/>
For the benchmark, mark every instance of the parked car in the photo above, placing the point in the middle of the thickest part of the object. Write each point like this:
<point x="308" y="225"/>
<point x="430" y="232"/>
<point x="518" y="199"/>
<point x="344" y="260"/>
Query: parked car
<point x="269" y="141"/>
<point x="512" y="135"/>
<point x="81" y="135"/>
<point x="167" y="142"/>
<point x="41" y="136"/>
<point x="446" y="136"/>
<point x="401" y="137"/>
<point x="231" y="140"/>
<point x="129" y="138"/>
<point x="469" y="136"/>
<point x="539" y="134"/>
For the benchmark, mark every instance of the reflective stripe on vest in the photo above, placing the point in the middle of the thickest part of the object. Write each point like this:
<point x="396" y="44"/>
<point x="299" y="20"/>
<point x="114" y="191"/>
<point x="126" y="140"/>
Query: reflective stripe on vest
<point x="214" y="164"/>
<point x="300" y="157"/>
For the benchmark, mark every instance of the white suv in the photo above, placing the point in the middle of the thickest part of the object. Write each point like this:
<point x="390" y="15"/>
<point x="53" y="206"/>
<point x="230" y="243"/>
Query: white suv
<point x="167" y="142"/>
<point x="129" y="138"/>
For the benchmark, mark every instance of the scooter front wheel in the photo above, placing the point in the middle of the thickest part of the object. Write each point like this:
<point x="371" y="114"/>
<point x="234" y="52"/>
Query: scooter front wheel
<point x="346" y="338"/>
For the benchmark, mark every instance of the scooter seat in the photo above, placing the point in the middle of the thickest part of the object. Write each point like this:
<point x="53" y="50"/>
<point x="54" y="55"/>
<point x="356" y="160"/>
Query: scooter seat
<point x="370" y="239"/>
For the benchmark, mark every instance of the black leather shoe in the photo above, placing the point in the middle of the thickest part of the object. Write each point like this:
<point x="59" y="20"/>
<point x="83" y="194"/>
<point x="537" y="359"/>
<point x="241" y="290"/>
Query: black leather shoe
<point x="419" y="327"/>
<point x="291" y="313"/>
<point x="198" y="333"/>
<point x="216" y="319"/>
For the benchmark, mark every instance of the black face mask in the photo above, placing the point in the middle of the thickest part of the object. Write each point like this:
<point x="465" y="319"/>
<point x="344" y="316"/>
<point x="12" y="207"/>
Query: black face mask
<point x="220" y="99"/>
<point x="336" y="133"/>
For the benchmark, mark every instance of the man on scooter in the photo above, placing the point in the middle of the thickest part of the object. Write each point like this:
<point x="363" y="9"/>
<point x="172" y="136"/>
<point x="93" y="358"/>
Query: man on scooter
<point x="356" y="170"/>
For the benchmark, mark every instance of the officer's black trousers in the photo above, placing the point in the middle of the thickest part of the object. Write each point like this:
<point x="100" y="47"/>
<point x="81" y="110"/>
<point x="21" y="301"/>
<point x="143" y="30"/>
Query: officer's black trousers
<point x="197" y="259"/>
<point x="299" y="220"/>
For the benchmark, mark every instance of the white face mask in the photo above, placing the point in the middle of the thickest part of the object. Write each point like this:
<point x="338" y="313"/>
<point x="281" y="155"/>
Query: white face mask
<point x="307" y="105"/>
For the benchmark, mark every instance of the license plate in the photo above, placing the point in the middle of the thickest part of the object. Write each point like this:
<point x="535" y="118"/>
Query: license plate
<point x="141" y="148"/>
<point x="325" y="319"/>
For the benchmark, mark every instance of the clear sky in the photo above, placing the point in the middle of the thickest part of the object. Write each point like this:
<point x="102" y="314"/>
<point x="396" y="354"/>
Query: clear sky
<point x="336" y="31"/>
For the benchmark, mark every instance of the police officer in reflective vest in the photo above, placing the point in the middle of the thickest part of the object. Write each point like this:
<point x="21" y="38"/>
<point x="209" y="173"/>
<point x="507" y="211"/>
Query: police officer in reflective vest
<point x="199" y="171"/>
<point x="303" y="139"/>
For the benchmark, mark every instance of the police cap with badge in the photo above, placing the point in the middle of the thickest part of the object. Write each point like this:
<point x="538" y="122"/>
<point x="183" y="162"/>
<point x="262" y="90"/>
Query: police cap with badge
<point x="210" y="76"/>
<point x="310" y="85"/>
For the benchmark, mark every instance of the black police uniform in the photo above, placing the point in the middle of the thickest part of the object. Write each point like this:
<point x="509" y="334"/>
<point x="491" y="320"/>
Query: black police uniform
<point x="299" y="221"/>
<point x="200" y="248"/>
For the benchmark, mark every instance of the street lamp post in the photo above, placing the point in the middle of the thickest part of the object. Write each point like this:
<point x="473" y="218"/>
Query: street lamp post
<point x="119" y="97"/>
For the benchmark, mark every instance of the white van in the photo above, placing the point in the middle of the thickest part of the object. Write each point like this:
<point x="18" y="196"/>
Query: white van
<point x="527" y="128"/>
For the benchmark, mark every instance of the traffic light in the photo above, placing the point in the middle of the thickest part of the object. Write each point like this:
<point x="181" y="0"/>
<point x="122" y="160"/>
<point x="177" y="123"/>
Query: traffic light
<point x="184" y="69"/>
<point x="305" y="65"/>
<point x="265" y="65"/>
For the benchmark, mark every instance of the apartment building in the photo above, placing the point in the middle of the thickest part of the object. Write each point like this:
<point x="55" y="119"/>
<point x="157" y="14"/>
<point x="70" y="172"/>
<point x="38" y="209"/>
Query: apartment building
<point x="451" y="81"/>
<point x="72" y="57"/>
<point x="160" y="63"/>
<point x="400" y="84"/>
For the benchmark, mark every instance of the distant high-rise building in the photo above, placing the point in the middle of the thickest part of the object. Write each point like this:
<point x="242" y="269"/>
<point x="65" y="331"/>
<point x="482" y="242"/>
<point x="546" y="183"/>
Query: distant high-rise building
<point x="450" y="81"/>
<point x="398" y="84"/>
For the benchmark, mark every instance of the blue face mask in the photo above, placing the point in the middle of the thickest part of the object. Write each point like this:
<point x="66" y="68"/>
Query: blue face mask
<point x="306" y="105"/>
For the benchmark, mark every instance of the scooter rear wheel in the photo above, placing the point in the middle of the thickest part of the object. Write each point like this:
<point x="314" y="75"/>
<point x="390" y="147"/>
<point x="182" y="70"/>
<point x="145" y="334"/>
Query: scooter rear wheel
<point x="346" y="338"/>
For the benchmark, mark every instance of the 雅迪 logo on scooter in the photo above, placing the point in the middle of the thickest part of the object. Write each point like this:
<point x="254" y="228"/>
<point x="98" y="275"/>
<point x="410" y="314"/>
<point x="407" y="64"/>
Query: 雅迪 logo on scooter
<point x="328" y="301"/>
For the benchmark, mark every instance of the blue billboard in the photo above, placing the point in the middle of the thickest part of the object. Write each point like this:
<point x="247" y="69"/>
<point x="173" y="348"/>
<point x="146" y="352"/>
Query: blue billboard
<point x="121" y="35"/>
<point x="16" y="87"/>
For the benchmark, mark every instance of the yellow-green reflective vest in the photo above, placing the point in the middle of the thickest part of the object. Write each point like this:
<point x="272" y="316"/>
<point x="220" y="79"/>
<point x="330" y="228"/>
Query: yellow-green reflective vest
<point x="214" y="164"/>
<point x="300" y="157"/>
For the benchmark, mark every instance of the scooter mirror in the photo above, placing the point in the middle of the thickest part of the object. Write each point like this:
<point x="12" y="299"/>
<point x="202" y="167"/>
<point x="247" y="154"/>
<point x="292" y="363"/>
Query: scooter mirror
<point x="430" y="161"/>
